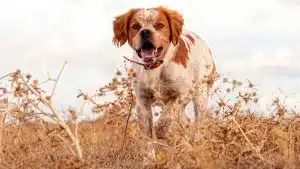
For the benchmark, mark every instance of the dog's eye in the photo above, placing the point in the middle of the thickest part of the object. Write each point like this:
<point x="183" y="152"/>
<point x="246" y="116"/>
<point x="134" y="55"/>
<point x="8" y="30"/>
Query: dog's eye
<point x="159" y="26"/>
<point x="136" y="27"/>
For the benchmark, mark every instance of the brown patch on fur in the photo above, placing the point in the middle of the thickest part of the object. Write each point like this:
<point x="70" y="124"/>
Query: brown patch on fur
<point x="181" y="56"/>
<point x="176" y="22"/>
<point x="121" y="26"/>
<point x="190" y="38"/>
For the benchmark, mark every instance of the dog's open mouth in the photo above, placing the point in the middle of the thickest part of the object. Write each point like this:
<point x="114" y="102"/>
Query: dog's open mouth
<point x="149" y="53"/>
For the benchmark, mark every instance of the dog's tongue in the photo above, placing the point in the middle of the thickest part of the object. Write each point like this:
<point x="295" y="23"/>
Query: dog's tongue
<point x="148" y="53"/>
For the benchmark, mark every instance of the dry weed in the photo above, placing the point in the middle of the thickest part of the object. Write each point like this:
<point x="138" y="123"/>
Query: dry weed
<point x="233" y="136"/>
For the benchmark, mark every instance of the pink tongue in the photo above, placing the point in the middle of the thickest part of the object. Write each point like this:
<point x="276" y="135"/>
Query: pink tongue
<point x="148" y="53"/>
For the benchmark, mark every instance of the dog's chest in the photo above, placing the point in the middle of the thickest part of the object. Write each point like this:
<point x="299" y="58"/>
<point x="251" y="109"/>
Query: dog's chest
<point x="167" y="88"/>
<point x="168" y="82"/>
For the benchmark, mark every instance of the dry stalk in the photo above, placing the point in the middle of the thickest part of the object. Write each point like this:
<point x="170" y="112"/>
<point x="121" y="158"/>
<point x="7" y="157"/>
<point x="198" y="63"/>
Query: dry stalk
<point x="158" y="143"/>
<point x="221" y="138"/>
<point x="60" y="121"/>
<point x="127" y="120"/>
<point x="252" y="146"/>
<point x="56" y="81"/>
<point x="86" y="97"/>
<point x="233" y="110"/>
<point x="3" y="108"/>
<point x="5" y="76"/>
<point x="67" y="144"/>
<point x="56" y="115"/>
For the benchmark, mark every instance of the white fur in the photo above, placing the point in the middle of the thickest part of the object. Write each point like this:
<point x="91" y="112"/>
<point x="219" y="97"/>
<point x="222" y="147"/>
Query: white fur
<point x="146" y="16"/>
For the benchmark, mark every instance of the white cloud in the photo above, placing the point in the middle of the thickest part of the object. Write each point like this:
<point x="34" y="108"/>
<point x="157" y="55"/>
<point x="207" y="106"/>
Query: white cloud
<point x="294" y="3"/>
<point x="284" y="58"/>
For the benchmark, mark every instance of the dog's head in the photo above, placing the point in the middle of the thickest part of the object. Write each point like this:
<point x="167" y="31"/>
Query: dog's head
<point x="149" y="32"/>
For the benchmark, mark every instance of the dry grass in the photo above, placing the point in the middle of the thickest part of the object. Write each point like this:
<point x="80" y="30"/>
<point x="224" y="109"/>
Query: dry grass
<point x="234" y="136"/>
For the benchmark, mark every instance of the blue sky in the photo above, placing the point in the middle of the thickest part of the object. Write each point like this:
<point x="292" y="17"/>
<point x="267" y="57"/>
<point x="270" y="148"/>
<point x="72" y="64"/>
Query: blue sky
<point x="257" y="39"/>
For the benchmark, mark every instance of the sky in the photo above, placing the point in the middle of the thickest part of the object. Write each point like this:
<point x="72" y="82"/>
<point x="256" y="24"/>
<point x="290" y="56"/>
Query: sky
<point x="257" y="39"/>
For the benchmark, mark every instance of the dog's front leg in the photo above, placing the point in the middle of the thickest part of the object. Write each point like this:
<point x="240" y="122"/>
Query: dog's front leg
<point x="144" y="115"/>
<point x="183" y="116"/>
<point x="201" y="107"/>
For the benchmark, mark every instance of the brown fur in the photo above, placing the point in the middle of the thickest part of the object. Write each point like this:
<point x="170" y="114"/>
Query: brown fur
<point x="176" y="23"/>
<point x="121" y="26"/>
<point x="172" y="20"/>
<point x="139" y="20"/>
<point x="190" y="38"/>
<point x="182" y="54"/>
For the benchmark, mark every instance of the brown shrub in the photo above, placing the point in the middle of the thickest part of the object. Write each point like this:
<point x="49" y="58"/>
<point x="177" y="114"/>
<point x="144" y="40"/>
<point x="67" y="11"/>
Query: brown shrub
<point x="234" y="136"/>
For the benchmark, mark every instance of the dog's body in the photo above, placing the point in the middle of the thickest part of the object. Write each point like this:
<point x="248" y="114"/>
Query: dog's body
<point x="186" y="58"/>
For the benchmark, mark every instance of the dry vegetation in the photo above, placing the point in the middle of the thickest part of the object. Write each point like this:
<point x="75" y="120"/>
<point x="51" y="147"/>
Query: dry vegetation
<point x="234" y="136"/>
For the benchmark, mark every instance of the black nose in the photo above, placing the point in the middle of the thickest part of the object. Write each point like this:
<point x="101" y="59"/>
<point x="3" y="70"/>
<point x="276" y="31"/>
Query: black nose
<point x="146" y="33"/>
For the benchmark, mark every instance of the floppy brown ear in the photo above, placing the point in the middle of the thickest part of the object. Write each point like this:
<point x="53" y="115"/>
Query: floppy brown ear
<point x="120" y="27"/>
<point x="176" y="23"/>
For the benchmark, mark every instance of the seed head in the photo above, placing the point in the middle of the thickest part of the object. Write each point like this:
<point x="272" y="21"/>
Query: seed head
<point x="118" y="73"/>
<point x="156" y="95"/>
<point x="225" y="80"/>
<point x="28" y="76"/>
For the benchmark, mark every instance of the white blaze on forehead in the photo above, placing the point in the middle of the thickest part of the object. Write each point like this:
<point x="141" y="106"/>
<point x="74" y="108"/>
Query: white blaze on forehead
<point x="146" y="16"/>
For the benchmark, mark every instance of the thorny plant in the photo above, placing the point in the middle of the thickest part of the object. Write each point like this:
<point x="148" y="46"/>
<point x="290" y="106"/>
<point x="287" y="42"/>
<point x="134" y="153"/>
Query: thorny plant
<point x="237" y="102"/>
<point x="233" y="135"/>
<point x="32" y="102"/>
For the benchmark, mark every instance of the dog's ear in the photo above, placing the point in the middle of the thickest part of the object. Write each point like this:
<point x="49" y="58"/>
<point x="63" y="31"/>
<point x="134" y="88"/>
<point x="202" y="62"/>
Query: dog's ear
<point x="120" y="27"/>
<point x="176" y="23"/>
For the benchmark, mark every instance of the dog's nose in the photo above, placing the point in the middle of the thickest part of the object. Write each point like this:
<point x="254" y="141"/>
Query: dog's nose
<point x="146" y="33"/>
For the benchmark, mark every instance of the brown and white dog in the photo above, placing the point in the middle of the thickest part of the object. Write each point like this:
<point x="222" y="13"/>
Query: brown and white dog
<point x="167" y="58"/>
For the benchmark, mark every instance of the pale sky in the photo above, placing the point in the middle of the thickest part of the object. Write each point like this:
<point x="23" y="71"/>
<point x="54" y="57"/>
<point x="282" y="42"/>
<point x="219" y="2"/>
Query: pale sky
<point x="257" y="39"/>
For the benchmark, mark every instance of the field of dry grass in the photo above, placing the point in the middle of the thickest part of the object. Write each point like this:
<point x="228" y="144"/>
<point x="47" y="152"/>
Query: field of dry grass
<point x="234" y="136"/>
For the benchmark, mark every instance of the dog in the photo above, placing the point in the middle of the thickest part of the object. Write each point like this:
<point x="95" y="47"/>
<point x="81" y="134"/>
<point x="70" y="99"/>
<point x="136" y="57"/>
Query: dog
<point x="166" y="57"/>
